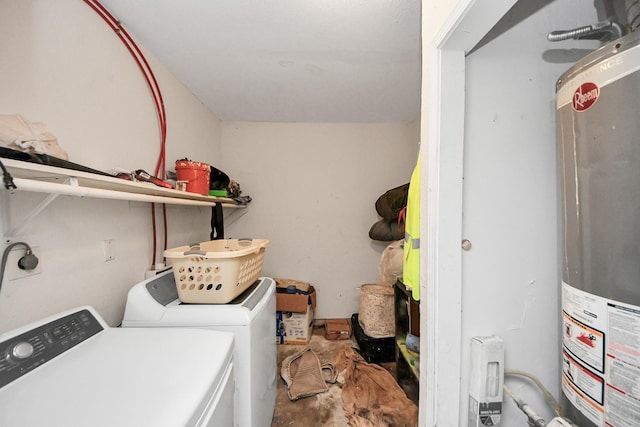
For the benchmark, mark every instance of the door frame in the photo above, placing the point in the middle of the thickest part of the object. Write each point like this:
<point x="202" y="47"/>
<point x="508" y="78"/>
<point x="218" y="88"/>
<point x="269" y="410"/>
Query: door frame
<point x="442" y="127"/>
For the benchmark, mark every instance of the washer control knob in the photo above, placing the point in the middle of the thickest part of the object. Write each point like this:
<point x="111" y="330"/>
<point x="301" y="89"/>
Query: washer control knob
<point x="22" y="350"/>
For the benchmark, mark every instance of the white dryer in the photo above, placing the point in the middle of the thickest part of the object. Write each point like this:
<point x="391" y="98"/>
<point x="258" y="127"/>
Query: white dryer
<point x="251" y="317"/>
<point x="72" y="370"/>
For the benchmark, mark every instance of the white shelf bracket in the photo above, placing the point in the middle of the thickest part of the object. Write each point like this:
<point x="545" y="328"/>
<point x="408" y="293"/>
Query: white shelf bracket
<point x="234" y="215"/>
<point x="13" y="232"/>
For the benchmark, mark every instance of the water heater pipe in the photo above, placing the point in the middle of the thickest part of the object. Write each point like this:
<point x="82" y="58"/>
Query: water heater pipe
<point x="534" y="419"/>
<point x="604" y="31"/>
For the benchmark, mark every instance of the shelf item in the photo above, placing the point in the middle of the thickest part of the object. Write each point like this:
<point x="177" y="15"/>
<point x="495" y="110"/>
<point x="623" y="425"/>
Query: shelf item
<point x="407" y="317"/>
<point x="411" y="358"/>
<point x="407" y="312"/>
<point x="406" y="377"/>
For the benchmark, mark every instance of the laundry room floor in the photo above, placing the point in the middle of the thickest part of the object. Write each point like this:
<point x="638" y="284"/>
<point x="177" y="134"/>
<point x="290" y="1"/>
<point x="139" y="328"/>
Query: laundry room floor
<point x="326" y="409"/>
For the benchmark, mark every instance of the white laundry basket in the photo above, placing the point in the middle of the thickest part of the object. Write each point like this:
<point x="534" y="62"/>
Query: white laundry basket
<point x="217" y="271"/>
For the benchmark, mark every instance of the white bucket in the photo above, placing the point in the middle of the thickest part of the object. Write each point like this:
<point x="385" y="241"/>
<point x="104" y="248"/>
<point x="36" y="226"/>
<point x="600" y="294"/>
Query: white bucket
<point x="377" y="311"/>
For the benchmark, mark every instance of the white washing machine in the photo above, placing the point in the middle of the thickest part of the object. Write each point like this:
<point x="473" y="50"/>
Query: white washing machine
<point x="72" y="369"/>
<point x="251" y="317"/>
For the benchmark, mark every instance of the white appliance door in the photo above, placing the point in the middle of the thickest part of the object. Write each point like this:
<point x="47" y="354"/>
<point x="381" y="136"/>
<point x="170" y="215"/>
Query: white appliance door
<point x="123" y="377"/>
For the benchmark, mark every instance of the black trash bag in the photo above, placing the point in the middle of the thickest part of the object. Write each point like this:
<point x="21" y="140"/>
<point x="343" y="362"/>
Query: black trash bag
<point x="218" y="180"/>
<point x="392" y="201"/>
<point x="390" y="206"/>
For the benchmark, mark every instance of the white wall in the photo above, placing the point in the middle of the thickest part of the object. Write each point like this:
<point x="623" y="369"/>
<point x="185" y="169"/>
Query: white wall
<point x="510" y="277"/>
<point x="62" y="65"/>
<point x="314" y="187"/>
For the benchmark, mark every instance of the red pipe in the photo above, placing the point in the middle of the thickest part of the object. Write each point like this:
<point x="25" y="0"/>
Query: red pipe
<point x="144" y="67"/>
<point x="152" y="82"/>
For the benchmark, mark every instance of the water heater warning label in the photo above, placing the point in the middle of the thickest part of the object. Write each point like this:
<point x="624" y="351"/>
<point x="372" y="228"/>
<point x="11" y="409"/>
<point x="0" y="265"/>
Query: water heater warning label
<point x="589" y="384"/>
<point x="601" y="358"/>
<point x="585" y="342"/>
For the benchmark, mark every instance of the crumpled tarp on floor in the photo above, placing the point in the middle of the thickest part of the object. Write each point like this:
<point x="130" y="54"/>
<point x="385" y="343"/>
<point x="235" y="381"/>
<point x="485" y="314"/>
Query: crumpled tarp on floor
<point x="371" y="396"/>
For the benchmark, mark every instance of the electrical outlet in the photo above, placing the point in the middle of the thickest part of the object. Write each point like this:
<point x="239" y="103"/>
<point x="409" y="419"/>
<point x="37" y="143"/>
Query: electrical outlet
<point x="109" y="250"/>
<point x="13" y="271"/>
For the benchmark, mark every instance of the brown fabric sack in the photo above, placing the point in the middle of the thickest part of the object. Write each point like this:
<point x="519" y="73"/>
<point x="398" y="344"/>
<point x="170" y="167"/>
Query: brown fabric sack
<point x="305" y="376"/>
<point x="371" y="396"/>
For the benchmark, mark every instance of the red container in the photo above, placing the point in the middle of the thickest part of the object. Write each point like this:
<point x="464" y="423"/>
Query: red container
<point x="196" y="174"/>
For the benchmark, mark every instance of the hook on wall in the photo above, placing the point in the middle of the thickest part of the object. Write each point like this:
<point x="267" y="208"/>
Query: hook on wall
<point x="27" y="262"/>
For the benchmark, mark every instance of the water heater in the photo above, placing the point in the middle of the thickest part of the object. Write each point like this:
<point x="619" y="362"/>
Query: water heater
<point x="598" y="114"/>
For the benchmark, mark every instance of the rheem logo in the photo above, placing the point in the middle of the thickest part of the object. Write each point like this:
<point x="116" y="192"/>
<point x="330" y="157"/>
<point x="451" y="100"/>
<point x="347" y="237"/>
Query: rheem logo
<point x="585" y="96"/>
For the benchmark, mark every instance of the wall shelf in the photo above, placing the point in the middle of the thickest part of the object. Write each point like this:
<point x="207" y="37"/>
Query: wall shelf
<point x="55" y="181"/>
<point x="50" y="179"/>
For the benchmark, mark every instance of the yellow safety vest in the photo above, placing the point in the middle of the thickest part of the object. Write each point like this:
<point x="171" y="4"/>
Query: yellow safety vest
<point x="411" y="264"/>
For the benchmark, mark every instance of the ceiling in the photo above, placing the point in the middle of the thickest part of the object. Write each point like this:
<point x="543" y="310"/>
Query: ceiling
<point x="287" y="60"/>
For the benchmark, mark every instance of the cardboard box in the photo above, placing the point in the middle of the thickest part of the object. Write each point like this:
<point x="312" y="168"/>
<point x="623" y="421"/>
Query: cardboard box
<point x="337" y="329"/>
<point x="294" y="316"/>
<point x="294" y="328"/>
<point x="295" y="303"/>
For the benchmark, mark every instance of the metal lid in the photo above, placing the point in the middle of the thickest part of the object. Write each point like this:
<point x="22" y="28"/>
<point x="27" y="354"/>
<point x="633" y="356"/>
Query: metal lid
<point x="599" y="55"/>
